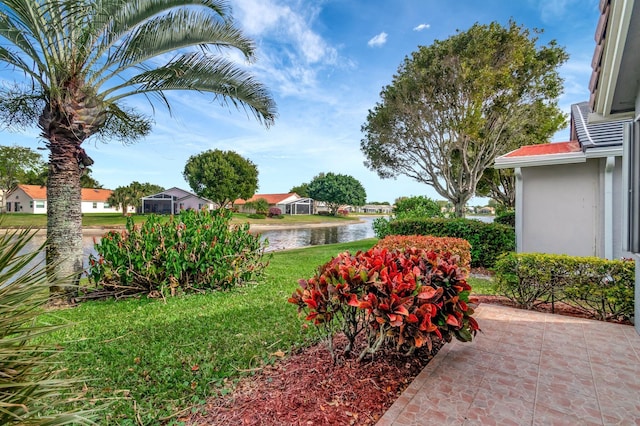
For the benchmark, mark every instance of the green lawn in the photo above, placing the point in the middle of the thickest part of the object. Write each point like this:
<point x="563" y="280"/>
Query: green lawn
<point x="26" y="220"/>
<point x="482" y="286"/>
<point x="153" y="358"/>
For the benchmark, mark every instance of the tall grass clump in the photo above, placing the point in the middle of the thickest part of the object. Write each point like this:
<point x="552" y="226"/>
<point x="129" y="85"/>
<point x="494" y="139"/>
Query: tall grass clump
<point x="32" y="391"/>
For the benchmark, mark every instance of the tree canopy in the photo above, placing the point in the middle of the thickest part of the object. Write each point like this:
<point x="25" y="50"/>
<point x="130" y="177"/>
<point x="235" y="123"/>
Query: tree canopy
<point x="302" y="190"/>
<point x="337" y="190"/>
<point x="450" y="107"/>
<point x="417" y="206"/>
<point x="131" y="195"/>
<point x="82" y="59"/>
<point x="221" y="176"/>
<point x="539" y="122"/>
<point x="18" y="164"/>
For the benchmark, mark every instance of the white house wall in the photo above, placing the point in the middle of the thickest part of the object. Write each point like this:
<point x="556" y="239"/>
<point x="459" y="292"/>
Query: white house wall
<point x="97" y="207"/>
<point x="560" y="209"/>
<point x="26" y="204"/>
<point x="29" y="205"/>
<point x="192" y="202"/>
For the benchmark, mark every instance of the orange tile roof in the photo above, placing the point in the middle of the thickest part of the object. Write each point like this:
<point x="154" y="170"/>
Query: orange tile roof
<point x="271" y="198"/>
<point x="545" y="149"/>
<point x="93" y="194"/>
<point x="38" y="192"/>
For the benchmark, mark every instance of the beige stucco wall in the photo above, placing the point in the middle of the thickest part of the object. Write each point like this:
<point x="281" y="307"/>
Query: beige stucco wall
<point x="560" y="209"/>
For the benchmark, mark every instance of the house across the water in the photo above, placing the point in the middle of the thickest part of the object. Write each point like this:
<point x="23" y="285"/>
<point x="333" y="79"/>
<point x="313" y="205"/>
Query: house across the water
<point x="33" y="199"/>
<point x="289" y="203"/>
<point x="172" y="200"/>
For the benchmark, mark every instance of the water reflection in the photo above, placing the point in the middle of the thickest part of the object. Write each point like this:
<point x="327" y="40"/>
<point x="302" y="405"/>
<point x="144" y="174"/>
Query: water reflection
<point x="280" y="239"/>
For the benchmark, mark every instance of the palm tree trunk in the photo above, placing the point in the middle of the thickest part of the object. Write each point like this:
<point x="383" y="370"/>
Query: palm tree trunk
<point x="64" y="217"/>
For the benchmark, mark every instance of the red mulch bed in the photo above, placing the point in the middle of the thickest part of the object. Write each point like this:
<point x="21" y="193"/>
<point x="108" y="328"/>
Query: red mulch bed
<point x="306" y="388"/>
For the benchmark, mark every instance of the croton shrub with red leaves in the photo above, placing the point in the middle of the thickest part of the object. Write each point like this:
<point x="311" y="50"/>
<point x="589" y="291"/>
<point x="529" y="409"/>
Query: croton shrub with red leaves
<point x="405" y="299"/>
<point x="456" y="246"/>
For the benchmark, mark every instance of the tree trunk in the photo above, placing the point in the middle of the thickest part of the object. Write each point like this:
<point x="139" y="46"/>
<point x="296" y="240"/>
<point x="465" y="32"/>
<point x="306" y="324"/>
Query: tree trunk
<point x="459" y="208"/>
<point x="64" y="217"/>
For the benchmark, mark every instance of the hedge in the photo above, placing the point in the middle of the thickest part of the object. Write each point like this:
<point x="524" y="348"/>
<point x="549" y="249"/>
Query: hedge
<point x="604" y="289"/>
<point x="488" y="240"/>
<point x="506" y="218"/>
<point x="458" y="247"/>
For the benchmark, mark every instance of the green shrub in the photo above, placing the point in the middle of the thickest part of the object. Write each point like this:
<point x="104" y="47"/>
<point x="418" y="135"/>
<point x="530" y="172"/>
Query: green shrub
<point x="32" y="392"/>
<point x="256" y="216"/>
<point x="488" y="240"/>
<point x="419" y="206"/>
<point x="261" y="206"/>
<point x="193" y="251"/>
<point x="601" y="288"/>
<point x="506" y="218"/>
<point x="381" y="227"/>
<point x="401" y="299"/>
<point x="407" y="208"/>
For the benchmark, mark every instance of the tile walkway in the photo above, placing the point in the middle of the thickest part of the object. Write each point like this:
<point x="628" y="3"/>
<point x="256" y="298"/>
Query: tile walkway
<point x="528" y="368"/>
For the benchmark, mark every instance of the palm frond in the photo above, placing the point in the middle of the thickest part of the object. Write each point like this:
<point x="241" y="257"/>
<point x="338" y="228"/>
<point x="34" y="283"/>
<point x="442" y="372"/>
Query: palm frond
<point x="31" y="387"/>
<point x="15" y="33"/>
<point x="206" y="73"/>
<point x="173" y="31"/>
<point x="116" y="19"/>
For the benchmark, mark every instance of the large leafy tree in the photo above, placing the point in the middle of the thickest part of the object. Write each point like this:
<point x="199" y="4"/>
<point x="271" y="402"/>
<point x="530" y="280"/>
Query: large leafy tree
<point x="82" y="59"/>
<point x="221" y="176"/>
<point x="17" y="165"/>
<point x="444" y="117"/>
<point x="337" y="190"/>
<point x="539" y="122"/>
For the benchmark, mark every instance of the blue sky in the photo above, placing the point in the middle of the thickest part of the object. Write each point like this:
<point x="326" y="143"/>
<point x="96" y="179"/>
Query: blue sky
<point x="325" y="62"/>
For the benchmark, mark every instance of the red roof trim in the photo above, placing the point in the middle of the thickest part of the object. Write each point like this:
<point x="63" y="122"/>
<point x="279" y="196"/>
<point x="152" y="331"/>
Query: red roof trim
<point x="271" y="198"/>
<point x="545" y="149"/>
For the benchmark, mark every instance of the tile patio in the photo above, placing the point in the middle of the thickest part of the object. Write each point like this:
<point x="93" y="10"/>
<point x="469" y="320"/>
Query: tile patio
<point x="528" y="368"/>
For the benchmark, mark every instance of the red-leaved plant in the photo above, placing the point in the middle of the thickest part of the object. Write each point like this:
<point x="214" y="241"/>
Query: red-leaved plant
<point x="456" y="246"/>
<point x="407" y="299"/>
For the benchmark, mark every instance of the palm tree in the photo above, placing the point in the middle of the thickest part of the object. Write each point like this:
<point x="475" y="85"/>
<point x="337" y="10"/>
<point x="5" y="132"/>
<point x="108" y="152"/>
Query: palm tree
<point x="83" y="58"/>
<point x="120" y="198"/>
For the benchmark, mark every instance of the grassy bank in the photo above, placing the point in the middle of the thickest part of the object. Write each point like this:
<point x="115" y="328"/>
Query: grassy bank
<point x="151" y="358"/>
<point x="26" y="220"/>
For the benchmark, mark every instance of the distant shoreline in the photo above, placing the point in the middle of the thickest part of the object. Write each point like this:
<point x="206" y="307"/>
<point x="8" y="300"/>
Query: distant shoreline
<point x="257" y="227"/>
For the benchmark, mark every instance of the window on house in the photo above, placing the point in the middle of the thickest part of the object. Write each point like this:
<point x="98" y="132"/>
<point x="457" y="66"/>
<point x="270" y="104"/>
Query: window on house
<point x="8" y="207"/>
<point x="95" y="205"/>
<point x="40" y="204"/>
<point x="31" y="204"/>
<point x="107" y="205"/>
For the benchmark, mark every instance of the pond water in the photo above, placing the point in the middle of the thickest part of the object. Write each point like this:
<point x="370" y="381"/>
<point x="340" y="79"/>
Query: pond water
<point x="279" y="239"/>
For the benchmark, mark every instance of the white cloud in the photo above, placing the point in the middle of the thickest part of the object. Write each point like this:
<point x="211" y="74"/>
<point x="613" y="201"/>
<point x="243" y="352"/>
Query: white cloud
<point x="422" y="27"/>
<point x="378" y="40"/>
<point x="260" y="18"/>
